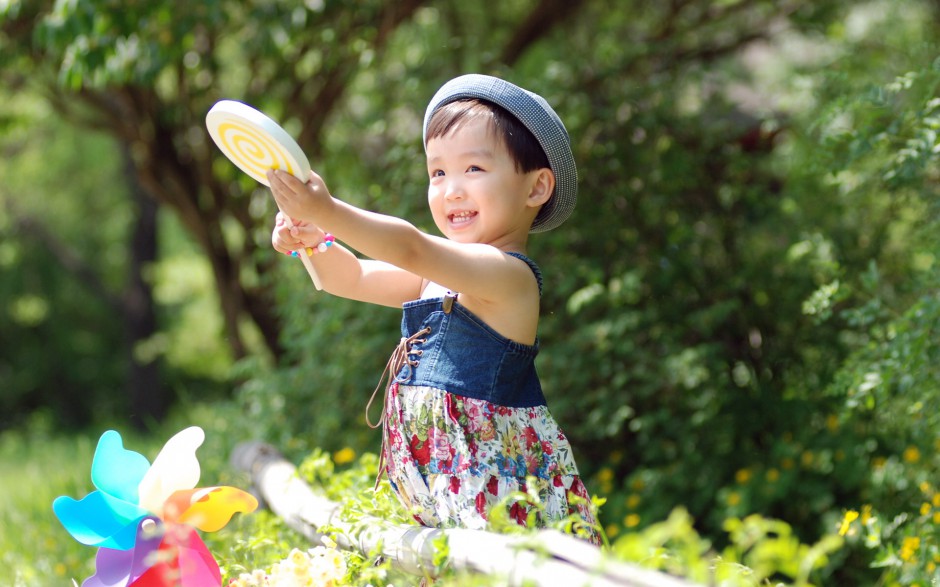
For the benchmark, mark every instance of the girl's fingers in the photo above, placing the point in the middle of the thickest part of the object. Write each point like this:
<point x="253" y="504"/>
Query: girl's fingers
<point x="307" y="235"/>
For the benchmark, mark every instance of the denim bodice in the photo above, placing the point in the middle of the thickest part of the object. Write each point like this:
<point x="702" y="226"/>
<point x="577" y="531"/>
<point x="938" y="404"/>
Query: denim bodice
<point x="463" y="355"/>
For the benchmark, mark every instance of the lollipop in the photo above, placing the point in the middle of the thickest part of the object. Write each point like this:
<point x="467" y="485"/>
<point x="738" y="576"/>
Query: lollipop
<point x="255" y="144"/>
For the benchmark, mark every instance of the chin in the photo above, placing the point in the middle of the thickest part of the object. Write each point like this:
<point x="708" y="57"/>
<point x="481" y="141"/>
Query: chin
<point x="461" y="237"/>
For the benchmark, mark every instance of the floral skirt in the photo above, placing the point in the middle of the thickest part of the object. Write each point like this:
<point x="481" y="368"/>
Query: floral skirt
<point x="451" y="459"/>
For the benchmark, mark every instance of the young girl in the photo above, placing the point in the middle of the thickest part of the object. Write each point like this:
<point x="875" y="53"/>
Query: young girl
<point x="465" y="421"/>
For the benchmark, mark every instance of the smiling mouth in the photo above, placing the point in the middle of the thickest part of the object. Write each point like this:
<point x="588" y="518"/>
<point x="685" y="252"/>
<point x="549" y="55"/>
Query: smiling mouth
<point x="458" y="218"/>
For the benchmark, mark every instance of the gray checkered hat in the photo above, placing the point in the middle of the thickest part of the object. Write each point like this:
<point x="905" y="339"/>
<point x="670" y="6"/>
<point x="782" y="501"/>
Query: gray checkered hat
<point x="535" y="113"/>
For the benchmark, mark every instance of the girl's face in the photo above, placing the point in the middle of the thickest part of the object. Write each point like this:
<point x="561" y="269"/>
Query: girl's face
<point x="476" y="195"/>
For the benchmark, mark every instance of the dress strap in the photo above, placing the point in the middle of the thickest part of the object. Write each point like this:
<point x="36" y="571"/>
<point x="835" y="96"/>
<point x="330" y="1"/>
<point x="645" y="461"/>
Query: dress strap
<point x="535" y="268"/>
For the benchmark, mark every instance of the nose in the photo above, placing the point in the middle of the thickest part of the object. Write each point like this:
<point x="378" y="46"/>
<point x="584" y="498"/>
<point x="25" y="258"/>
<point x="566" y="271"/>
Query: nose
<point x="454" y="189"/>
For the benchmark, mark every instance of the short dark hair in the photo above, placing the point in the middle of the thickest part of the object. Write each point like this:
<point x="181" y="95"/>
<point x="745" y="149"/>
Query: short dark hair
<point x="522" y="145"/>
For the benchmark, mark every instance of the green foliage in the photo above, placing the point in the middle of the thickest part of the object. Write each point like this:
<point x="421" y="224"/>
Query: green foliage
<point x="64" y="257"/>
<point x="761" y="551"/>
<point x="56" y="331"/>
<point x="741" y="316"/>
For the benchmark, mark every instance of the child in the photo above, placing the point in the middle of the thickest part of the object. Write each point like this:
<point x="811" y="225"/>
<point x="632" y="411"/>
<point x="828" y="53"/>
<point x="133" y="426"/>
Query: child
<point x="465" y="421"/>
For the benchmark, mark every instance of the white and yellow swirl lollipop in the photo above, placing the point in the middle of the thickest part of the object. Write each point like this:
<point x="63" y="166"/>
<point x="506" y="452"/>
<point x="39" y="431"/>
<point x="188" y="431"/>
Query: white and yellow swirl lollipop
<point x="255" y="144"/>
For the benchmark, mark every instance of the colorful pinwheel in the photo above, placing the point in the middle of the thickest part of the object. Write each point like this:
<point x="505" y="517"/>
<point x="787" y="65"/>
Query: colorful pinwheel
<point x="143" y="518"/>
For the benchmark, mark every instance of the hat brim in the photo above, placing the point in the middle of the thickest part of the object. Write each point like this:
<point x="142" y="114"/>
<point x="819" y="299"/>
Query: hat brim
<point x="536" y="115"/>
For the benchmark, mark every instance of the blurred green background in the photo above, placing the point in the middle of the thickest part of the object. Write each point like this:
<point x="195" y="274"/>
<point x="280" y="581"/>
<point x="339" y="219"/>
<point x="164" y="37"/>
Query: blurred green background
<point x="742" y="316"/>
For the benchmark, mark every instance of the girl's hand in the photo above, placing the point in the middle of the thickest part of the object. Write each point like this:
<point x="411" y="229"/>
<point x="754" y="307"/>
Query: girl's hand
<point x="302" y="234"/>
<point x="298" y="200"/>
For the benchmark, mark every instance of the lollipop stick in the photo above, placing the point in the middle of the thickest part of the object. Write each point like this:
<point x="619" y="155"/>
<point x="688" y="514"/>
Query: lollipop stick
<point x="307" y="261"/>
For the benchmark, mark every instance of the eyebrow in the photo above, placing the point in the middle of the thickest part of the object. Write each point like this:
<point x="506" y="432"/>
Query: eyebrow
<point x="471" y="154"/>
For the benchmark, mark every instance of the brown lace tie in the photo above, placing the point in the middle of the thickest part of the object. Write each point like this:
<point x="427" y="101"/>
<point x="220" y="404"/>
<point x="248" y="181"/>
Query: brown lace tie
<point x="400" y="357"/>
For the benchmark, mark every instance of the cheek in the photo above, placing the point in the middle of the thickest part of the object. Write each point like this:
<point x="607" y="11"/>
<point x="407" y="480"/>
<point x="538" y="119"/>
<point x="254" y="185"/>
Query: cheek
<point x="436" y="205"/>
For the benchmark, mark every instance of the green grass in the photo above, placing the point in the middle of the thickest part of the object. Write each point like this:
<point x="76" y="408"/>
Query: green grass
<point x="35" y="468"/>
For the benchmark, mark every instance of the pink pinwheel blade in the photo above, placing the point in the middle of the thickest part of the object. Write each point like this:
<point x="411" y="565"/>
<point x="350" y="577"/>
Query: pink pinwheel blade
<point x="182" y="561"/>
<point x="119" y="568"/>
<point x="197" y="565"/>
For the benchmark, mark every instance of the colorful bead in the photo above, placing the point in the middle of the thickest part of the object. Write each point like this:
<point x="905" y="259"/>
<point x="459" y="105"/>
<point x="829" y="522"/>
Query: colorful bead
<point x="324" y="246"/>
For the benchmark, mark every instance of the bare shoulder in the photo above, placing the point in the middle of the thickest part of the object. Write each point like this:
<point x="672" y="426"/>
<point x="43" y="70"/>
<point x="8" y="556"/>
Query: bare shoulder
<point x="514" y="311"/>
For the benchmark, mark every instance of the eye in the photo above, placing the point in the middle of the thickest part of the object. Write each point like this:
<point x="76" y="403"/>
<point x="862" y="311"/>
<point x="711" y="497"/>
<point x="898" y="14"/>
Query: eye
<point x="437" y="173"/>
<point x="474" y="168"/>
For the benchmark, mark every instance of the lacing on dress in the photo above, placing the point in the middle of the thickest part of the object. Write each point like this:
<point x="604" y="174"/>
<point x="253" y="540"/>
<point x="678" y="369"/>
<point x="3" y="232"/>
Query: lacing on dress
<point x="401" y="356"/>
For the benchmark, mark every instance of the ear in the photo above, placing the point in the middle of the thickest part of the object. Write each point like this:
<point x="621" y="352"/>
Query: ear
<point x="543" y="185"/>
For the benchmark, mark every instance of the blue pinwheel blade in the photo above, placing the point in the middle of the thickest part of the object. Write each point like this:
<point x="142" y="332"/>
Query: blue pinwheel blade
<point x="116" y="470"/>
<point x="98" y="521"/>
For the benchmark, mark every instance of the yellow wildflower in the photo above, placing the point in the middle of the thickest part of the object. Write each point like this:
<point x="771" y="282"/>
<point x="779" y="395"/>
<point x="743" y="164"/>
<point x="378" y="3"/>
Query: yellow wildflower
<point x="924" y="509"/>
<point x="866" y="514"/>
<point x="344" y="455"/>
<point x="772" y="475"/>
<point x="612" y="530"/>
<point x="850" y="516"/>
<point x="633" y="500"/>
<point x="742" y="476"/>
<point x="733" y="499"/>
<point x="631" y="521"/>
<point x="909" y="548"/>
<point x="911" y="454"/>
<point x="807" y="458"/>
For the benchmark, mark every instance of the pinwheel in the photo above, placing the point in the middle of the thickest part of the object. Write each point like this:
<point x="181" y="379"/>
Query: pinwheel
<point x="144" y="518"/>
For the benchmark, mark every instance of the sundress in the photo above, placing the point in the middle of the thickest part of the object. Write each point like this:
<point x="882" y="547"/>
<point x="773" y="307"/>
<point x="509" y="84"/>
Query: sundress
<point x="465" y="424"/>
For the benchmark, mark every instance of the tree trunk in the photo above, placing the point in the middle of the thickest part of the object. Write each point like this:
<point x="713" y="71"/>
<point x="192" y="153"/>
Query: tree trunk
<point x="148" y="397"/>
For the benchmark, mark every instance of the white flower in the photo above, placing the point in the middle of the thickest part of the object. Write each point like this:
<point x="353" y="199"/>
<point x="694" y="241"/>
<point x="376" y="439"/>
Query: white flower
<point x="320" y="566"/>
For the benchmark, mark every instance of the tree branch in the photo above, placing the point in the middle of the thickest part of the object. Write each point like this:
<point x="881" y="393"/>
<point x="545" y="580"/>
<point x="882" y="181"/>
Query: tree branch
<point x="541" y="20"/>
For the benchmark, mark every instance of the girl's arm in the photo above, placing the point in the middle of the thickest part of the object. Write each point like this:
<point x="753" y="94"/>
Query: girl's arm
<point x="343" y="274"/>
<point x="478" y="270"/>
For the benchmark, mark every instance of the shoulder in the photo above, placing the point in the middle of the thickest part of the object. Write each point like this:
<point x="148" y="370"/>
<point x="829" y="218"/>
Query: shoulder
<point x="532" y="266"/>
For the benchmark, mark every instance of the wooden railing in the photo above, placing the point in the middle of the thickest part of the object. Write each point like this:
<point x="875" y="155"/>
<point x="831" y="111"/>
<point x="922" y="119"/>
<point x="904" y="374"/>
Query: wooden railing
<point x="546" y="557"/>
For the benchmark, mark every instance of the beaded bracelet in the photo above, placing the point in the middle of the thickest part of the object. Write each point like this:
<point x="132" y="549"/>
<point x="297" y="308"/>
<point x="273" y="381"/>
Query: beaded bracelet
<point x="323" y="247"/>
